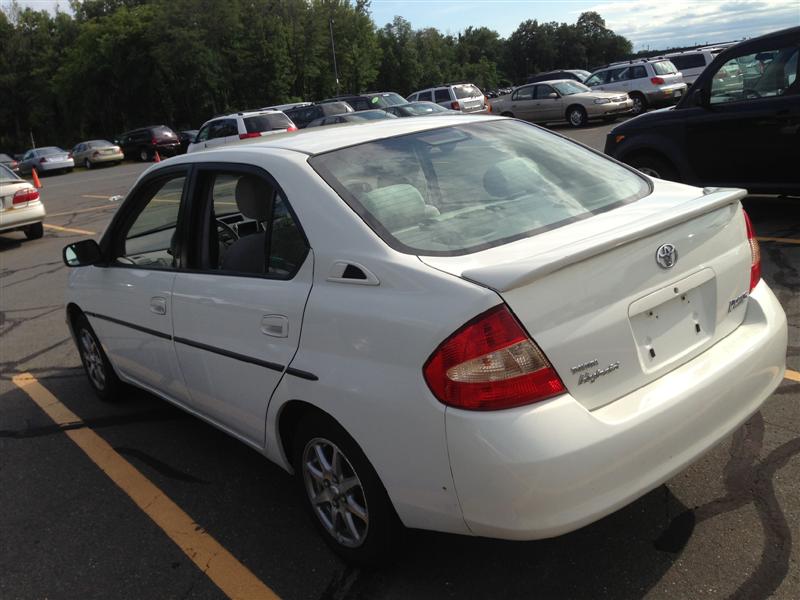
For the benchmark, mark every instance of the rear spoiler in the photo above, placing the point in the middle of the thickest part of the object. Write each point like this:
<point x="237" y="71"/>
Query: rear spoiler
<point x="508" y="276"/>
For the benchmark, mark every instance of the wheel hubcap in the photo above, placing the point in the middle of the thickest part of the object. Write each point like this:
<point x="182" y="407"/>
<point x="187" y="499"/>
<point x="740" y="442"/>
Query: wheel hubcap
<point x="638" y="106"/>
<point x="335" y="492"/>
<point x="575" y="117"/>
<point x="92" y="360"/>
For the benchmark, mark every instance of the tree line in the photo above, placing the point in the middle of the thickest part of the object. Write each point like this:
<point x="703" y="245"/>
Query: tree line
<point x="112" y="65"/>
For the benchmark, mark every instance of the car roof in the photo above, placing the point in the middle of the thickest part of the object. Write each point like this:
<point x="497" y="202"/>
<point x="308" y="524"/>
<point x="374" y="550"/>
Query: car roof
<point x="317" y="141"/>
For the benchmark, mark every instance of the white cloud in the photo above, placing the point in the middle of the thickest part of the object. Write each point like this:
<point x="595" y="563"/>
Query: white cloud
<point x="660" y="25"/>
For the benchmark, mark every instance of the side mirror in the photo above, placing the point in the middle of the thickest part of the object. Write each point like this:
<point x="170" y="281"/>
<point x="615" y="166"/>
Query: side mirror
<point x="698" y="98"/>
<point x="82" y="254"/>
<point x="552" y="95"/>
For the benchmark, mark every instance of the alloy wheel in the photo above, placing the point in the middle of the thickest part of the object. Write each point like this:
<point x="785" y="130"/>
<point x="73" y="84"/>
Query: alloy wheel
<point x="93" y="360"/>
<point x="575" y="117"/>
<point x="335" y="492"/>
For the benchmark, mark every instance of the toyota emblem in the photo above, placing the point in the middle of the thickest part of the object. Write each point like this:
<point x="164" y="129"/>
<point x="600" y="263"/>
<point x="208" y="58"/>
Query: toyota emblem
<point x="666" y="256"/>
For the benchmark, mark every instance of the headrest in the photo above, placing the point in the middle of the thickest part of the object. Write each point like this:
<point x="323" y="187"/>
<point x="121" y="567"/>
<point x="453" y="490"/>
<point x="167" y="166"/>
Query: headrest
<point x="513" y="177"/>
<point x="253" y="197"/>
<point x="398" y="206"/>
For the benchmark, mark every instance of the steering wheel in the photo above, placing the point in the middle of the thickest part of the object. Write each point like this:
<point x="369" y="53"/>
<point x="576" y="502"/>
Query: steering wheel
<point x="227" y="236"/>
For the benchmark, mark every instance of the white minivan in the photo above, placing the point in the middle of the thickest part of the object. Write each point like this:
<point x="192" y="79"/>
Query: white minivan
<point x="240" y="126"/>
<point x="692" y="62"/>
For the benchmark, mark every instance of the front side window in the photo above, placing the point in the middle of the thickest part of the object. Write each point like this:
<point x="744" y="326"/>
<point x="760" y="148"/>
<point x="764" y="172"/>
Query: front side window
<point x="756" y="75"/>
<point x="150" y="238"/>
<point x="202" y="135"/>
<point x="618" y="75"/>
<point x="638" y="72"/>
<point x="543" y="92"/>
<point x="434" y="193"/>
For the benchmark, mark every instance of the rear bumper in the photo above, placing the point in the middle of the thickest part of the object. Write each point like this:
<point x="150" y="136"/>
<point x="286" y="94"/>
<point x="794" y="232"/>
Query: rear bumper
<point x="666" y="95"/>
<point x="55" y="166"/>
<point x="541" y="471"/>
<point x="17" y="218"/>
<point x="103" y="158"/>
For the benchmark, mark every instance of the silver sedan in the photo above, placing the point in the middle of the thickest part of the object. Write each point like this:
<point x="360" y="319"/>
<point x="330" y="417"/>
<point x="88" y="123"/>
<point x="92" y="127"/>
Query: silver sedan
<point x="46" y="160"/>
<point x="562" y="100"/>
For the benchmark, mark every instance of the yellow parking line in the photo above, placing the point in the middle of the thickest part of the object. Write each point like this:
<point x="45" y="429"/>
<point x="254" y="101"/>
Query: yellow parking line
<point x="793" y="375"/>
<point x="231" y="576"/>
<point x="780" y="240"/>
<point x="95" y="196"/>
<point x="69" y="229"/>
<point x="83" y="210"/>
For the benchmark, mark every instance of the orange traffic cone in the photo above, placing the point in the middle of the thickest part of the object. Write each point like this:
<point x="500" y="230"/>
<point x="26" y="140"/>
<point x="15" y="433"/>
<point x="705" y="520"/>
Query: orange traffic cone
<point x="157" y="157"/>
<point x="35" y="175"/>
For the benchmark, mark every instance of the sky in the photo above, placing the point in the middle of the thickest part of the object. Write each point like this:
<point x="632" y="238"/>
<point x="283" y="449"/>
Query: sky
<point x="647" y="23"/>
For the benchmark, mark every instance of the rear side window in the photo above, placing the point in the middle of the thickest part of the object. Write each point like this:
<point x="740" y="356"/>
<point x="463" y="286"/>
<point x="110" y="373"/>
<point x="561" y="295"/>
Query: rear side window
<point x="272" y="122"/>
<point x="688" y="61"/>
<point x="442" y="95"/>
<point x="638" y="72"/>
<point x="434" y="193"/>
<point x="523" y="93"/>
<point x="466" y="91"/>
<point x="664" y="67"/>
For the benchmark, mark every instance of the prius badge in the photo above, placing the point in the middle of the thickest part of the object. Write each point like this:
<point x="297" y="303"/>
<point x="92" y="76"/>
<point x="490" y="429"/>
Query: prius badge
<point x="666" y="256"/>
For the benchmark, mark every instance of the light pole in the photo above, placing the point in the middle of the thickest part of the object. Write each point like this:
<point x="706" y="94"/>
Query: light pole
<point x="333" y="48"/>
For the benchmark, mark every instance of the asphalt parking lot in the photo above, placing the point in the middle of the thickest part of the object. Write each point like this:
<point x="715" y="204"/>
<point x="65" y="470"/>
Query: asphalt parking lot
<point x="727" y="527"/>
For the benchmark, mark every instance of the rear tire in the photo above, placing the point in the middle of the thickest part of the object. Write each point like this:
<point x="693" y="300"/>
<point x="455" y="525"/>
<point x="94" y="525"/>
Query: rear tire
<point x="88" y="164"/>
<point x="654" y="166"/>
<point x="144" y="155"/>
<point x="101" y="375"/>
<point x="35" y="231"/>
<point x="639" y="103"/>
<point x="343" y="493"/>
<point x="576" y="116"/>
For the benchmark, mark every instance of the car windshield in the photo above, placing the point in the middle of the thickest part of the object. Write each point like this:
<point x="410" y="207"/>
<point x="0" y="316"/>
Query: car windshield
<point x="387" y="99"/>
<point x="270" y="122"/>
<point x="423" y="108"/>
<point x="664" y="67"/>
<point x="369" y="115"/>
<point x="7" y="174"/>
<point x="466" y="91"/>
<point x="567" y="88"/>
<point x="434" y="192"/>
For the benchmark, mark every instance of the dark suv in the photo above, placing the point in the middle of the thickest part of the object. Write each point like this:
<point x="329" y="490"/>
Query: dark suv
<point x="303" y="115"/>
<point x="370" y="100"/>
<point x="143" y="143"/>
<point x="738" y="127"/>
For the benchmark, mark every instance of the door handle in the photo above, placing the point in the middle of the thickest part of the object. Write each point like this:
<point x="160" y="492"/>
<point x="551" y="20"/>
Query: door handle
<point x="158" y="305"/>
<point x="275" y="326"/>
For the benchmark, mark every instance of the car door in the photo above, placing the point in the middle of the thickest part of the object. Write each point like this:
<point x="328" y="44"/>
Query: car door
<point x="131" y="310"/>
<point x="748" y="131"/>
<point x="548" y="103"/>
<point x="442" y="97"/>
<point x="238" y="311"/>
<point x="522" y="104"/>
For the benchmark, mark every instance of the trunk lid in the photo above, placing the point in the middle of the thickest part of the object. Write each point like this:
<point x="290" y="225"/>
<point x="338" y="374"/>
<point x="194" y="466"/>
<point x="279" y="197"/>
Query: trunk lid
<point x="594" y="298"/>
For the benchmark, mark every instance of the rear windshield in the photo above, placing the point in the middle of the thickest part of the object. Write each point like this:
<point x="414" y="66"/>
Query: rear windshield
<point x="466" y="91"/>
<point x="266" y="123"/>
<point x="50" y="150"/>
<point x="387" y="99"/>
<point x="688" y="61"/>
<point x="6" y="173"/>
<point x="436" y="193"/>
<point x="664" y="67"/>
<point x="162" y="132"/>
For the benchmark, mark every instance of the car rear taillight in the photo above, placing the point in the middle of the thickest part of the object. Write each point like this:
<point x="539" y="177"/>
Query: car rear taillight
<point x="25" y="195"/>
<point x="657" y="80"/>
<point x="490" y="364"/>
<point x="253" y="134"/>
<point x="154" y="141"/>
<point x="755" y="253"/>
<point x="455" y="105"/>
<point x="291" y="128"/>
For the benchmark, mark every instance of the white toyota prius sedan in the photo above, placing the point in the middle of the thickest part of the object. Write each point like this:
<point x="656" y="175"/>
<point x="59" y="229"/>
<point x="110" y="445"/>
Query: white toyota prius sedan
<point x="464" y="324"/>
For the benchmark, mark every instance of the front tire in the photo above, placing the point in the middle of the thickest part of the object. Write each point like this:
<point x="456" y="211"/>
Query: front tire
<point x="87" y="164"/>
<point x="576" y="116"/>
<point x="144" y="155"/>
<point x="101" y="375"/>
<point x="35" y="231"/>
<point x="343" y="493"/>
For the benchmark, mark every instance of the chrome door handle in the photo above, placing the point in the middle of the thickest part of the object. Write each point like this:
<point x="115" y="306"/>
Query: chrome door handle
<point x="158" y="305"/>
<point x="275" y="326"/>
